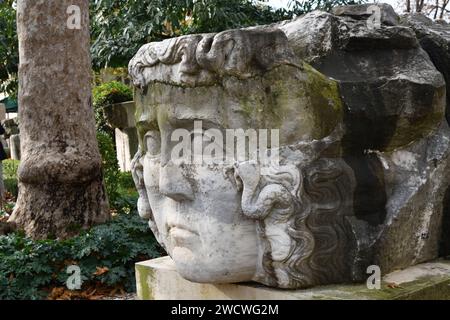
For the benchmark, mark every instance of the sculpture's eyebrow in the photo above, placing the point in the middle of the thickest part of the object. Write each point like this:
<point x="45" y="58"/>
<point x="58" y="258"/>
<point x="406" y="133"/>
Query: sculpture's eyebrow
<point x="143" y="126"/>
<point x="147" y="125"/>
<point x="188" y="122"/>
<point x="187" y="119"/>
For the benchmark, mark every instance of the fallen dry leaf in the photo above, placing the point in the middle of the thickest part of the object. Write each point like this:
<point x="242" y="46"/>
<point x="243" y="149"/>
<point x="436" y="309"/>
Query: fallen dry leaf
<point x="101" y="271"/>
<point x="393" y="285"/>
<point x="96" y="292"/>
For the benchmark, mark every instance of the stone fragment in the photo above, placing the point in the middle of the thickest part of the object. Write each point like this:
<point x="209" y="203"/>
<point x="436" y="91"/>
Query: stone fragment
<point x="363" y="12"/>
<point x="396" y="141"/>
<point x="121" y="116"/>
<point x="434" y="38"/>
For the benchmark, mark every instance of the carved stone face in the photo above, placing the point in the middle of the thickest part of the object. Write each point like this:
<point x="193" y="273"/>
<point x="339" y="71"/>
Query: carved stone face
<point x="230" y="222"/>
<point x="196" y="208"/>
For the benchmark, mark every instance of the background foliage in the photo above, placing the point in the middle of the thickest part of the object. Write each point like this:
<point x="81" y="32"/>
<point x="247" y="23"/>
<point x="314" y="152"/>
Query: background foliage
<point x="105" y="254"/>
<point x="110" y="166"/>
<point x="9" y="48"/>
<point x="121" y="27"/>
<point x="10" y="168"/>
<point x="28" y="267"/>
<point x="120" y="186"/>
<point x="106" y="94"/>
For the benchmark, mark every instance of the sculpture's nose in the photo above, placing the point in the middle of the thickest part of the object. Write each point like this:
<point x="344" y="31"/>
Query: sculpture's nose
<point x="173" y="184"/>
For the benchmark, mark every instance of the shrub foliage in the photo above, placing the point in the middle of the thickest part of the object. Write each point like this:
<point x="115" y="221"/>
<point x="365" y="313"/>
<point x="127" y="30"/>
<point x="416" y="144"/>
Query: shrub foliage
<point x="104" y="95"/>
<point x="27" y="267"/>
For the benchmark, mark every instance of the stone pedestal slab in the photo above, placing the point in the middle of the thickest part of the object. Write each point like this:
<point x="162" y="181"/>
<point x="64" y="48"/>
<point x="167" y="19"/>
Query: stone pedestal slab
<point x="158" y="280"/>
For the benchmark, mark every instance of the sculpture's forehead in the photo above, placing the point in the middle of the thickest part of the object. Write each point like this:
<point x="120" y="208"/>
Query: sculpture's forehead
<point x="236" y="79"/>
<point x="177" y="114"/>
<point x="302" y="104"/>
<point x="164" y="104"/>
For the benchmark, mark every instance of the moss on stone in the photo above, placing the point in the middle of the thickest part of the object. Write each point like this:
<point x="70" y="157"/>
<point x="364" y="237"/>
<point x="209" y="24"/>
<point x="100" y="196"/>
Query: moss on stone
<point x="301" y="102"/>
<point x="423" y="285"/>
<point x="325" y="98"/>
<point x="143" y="274"/>
<point x="423" y="126"/>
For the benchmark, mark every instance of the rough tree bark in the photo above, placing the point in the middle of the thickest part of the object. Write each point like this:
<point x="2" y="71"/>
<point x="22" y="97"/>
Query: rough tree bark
<point x="60" y="176"/>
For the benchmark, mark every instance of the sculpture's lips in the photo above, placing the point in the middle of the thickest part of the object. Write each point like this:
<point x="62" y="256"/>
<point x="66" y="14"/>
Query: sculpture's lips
<point x="181" y="231"/>
<point x="181" y="237"/>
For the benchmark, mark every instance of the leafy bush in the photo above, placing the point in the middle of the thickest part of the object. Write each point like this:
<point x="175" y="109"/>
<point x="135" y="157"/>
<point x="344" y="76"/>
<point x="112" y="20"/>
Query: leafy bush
<point x="27" y="267"/>
<point x="10" y="168"/>
<point x="111" y="92"/>
<point x="126" y="181"/>
<point x="110" y="166"/>
<point x="120" y="186"/>
<point x="104" y="95"/>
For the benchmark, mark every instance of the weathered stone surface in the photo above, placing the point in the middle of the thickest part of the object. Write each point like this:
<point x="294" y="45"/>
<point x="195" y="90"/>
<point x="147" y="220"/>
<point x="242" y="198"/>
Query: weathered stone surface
<point x="204" y="59"/>
<point x="363" y="12"/>
<point x="14" y="144"/>
<point x="275" y="225"/>
<point x="158" y="280"/>
<point x="121" y="116"/>
<point x="60" y="176"/>
<point x="127" y="145"/>
<point x="396" y="142"/>
<point x="387" y="81"/>
<point x="415" y="181"/>
<point x="11" y="127"/>
<point x="364" y="150"/>
<point x="434" y="38"/>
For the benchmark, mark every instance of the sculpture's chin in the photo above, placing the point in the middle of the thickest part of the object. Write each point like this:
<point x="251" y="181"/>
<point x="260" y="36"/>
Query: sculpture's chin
<point x="196" y="269"/>
<point x="183" y="257"/>
<point x="189" y="267"/>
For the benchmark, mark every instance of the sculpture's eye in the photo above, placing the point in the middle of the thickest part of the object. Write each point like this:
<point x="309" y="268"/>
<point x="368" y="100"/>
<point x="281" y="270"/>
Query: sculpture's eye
<point x="208" y="143"/>
<point x="153" y="143"/>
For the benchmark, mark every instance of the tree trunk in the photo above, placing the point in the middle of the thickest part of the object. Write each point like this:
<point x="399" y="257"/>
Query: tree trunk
<point x="444" y="6"/>
<point x="419" y="5"/>
<point x="436" y="9"/>
<point x="61" y="187"/>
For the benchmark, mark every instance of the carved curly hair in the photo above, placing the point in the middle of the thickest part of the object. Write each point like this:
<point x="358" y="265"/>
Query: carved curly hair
<point x="302" y="226"/>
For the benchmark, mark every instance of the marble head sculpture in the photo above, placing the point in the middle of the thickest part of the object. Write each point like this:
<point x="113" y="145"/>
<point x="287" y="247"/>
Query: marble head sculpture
<point x="362" y="172"/>
<point x="284" y="226"/>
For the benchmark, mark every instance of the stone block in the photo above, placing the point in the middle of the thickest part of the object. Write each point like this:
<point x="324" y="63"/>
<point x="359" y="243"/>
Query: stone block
<point x="127" y="145"/>
<point x="121" y="115"/>
<point x="158" y="279"/>
<point x="14" y="145"/>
